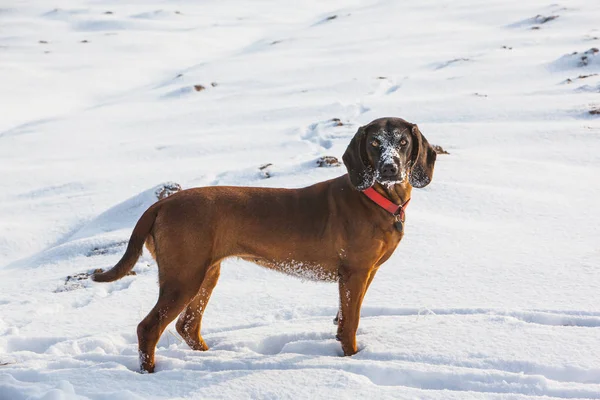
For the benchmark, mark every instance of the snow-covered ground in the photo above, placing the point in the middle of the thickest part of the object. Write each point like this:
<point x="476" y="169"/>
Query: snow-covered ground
<point x="494" y="291"/>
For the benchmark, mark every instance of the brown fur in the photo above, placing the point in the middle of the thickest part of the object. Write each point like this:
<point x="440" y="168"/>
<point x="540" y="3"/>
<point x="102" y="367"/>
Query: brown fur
<point x="328" y="231"/>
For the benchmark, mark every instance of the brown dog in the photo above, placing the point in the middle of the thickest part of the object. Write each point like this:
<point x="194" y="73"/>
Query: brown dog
<point x="331" y="231"/>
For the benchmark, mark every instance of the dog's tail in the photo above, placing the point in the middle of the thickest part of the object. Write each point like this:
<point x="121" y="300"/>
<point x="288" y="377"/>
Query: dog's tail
<point x="134" y="248"/>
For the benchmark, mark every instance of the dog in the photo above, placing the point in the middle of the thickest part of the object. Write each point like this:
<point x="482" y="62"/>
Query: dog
<point x="341" y="230"/>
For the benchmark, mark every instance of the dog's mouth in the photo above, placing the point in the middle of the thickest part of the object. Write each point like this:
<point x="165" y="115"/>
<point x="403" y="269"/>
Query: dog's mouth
<point x="391" y="179"/>
<point x="389" y="182"/>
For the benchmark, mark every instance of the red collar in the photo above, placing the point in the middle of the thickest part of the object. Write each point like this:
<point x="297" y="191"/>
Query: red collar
<point x="385" y="203"/>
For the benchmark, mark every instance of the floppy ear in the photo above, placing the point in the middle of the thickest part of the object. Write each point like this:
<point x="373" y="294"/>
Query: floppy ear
<point x="360" y="171"/>
<point x="423" y="157"/>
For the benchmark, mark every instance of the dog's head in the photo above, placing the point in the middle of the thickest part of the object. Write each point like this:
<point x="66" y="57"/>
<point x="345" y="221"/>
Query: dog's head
<point x="389" y="151"/>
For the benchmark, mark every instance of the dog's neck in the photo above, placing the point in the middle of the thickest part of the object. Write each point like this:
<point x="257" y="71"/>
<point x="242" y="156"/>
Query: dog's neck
<point x="398" y="193"/>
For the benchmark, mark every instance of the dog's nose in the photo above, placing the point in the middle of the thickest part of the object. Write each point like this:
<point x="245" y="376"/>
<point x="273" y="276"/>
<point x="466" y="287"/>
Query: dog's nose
<point x="389" y="170"/>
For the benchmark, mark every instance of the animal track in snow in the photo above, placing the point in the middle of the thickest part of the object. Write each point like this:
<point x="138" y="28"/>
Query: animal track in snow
<point x="429" y="370"/>
<point x="324" y="133"/>
<point x="552" y="318"/>
<point x="303" y="343"/>
<point x="33" y="344"/>
<point x="451" y="62"/>
<point x="386" y="86"/>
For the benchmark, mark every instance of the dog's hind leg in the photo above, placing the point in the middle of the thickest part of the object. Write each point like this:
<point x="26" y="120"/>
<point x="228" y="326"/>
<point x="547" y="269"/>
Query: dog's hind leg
<point x="190" y="321"/>
<point x="174" y="295"/>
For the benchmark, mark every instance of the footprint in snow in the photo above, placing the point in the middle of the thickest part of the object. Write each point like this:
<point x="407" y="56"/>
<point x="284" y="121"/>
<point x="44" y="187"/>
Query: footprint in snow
<point x="309" y="343"/>
<point x="446" y="64"/>
<point x="537" y="20"/>
<point x="539" y="317"/>
<point x="324" y="133"/>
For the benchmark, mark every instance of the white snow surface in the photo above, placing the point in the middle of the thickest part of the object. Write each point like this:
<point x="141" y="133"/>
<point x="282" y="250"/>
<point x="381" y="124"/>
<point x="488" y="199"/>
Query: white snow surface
<point x="494" y="291"/>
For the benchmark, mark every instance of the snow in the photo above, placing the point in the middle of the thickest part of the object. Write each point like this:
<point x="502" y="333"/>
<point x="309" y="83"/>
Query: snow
<point x="493" y="292"/>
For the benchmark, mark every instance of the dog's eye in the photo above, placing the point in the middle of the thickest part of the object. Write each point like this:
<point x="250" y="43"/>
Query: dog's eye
<point x="403" y="142"/>
<point x="375" y="143"/>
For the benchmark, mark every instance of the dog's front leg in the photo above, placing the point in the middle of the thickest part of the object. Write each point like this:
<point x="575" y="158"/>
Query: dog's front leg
<point x="353" y="285"/>
<point x="336" y="319"/>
